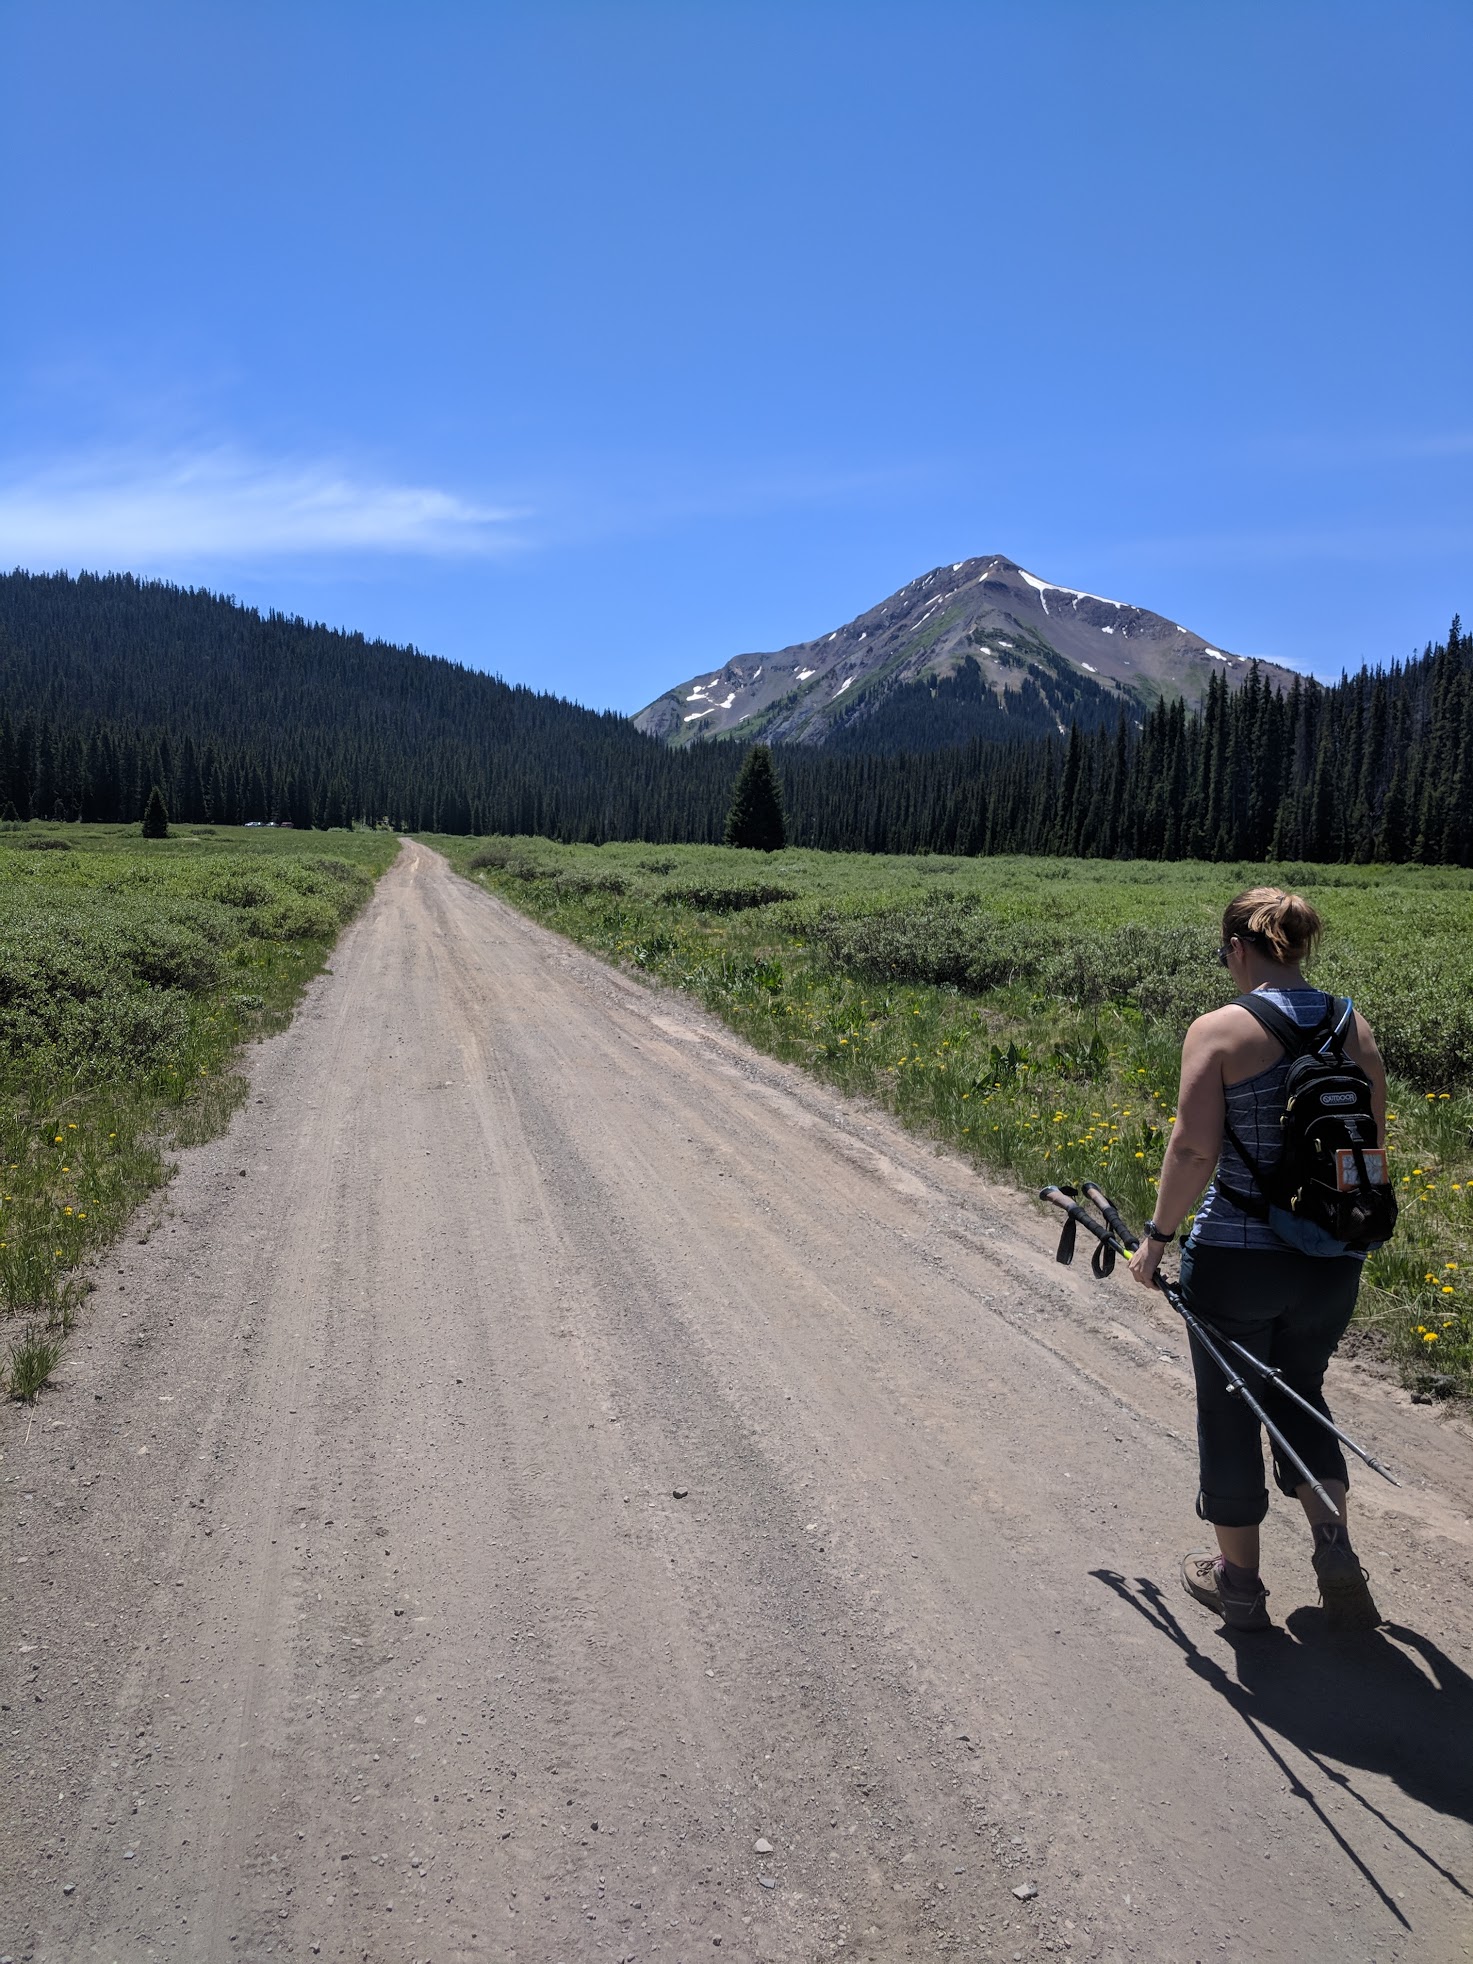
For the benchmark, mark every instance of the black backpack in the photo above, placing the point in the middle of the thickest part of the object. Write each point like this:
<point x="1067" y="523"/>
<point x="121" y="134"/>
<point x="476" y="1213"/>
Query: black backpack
<point x="1330" y="1193"/>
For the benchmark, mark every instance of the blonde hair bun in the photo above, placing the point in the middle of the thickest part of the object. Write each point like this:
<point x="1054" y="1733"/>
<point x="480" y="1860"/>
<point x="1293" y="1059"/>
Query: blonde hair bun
<point x="1281" y="925"/>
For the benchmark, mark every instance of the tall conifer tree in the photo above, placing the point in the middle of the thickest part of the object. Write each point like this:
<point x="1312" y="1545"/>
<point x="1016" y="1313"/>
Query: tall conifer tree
<point x="756" y="816"/>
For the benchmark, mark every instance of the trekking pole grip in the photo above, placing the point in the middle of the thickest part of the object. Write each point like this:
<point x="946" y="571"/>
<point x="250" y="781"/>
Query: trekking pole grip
<point x="1114" y="1220"/>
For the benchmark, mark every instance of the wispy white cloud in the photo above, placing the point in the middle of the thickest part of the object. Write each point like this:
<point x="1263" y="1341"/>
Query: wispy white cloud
<point x="224" y="506"/>
<point x="221" y="507"/>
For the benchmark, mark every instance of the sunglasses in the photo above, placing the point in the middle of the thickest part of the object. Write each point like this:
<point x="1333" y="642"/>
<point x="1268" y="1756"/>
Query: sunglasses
<point x="1222" y="954"/>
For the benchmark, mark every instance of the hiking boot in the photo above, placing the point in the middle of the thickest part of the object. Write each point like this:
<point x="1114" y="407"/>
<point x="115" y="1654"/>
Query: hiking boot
<point x="1345" y="1589"/>
<point x="1202" y="1578"/>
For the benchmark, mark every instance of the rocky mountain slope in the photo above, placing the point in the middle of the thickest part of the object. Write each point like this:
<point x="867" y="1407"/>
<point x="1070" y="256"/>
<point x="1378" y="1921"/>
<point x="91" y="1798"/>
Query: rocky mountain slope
<point x="983" y="632"/>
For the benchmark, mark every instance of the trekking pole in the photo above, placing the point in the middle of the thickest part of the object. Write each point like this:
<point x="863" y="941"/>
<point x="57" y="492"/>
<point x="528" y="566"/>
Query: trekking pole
<point x="1056" y="1197"/>
<point x="1270" y="1371"/>
<point x="1111" y="1213"/>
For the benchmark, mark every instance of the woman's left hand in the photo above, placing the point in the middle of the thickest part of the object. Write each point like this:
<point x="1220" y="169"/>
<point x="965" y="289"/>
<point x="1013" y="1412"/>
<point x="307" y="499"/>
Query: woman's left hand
<point x="1145" y="1261"/>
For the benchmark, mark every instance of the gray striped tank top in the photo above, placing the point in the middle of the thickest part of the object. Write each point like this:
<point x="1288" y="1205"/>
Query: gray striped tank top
<point x="1254" y="1109"/>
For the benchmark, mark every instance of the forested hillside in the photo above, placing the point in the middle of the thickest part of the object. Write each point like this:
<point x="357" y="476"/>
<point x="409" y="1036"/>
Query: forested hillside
<point x="109" y="685"/>
<point x="937" y="712"/>
<point x="1377" y="767"/>
<point x="112" y="684"/>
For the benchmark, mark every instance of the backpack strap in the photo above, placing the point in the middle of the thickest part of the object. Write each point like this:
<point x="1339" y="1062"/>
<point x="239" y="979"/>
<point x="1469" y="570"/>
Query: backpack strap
<point x="1341" y="1020"/>
<point x="1328" y="1034"/>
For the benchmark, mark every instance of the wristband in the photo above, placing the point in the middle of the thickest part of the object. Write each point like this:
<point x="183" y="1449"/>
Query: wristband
<point x="1153" y="1233"/>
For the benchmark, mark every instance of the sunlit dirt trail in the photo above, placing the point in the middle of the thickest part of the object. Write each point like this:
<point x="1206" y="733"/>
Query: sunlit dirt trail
<point x="554" y="1484"/>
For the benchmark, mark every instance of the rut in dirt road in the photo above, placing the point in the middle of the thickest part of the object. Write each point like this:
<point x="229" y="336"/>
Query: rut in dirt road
<point x="556" y="1485"/>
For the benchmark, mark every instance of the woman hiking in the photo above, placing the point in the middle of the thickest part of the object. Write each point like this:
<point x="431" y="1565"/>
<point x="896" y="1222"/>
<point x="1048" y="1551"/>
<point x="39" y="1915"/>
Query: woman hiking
<point x="1288" y="1307"/>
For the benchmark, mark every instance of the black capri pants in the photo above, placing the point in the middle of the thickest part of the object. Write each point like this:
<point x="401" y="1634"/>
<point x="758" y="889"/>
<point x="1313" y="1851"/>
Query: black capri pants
<point x="1291" y="1310"/>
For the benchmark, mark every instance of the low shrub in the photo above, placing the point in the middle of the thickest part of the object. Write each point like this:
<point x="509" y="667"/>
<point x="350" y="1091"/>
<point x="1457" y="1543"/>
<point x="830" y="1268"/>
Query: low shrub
<point x="947" y="946"/>
<point x="295" y="917"/>
<point x="1114" y="965"/>
<point x="726" y="900"/>
<point x="240" y="883"/>
<point x="179" y="950"/>
<point x="586" y="883"/>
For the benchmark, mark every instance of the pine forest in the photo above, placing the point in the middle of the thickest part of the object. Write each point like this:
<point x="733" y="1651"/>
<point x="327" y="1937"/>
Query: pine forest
<point x="110" y="686"/>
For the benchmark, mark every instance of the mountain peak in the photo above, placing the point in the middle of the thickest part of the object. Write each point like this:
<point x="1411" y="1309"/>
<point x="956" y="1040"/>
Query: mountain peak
<point x="988" y="620"/>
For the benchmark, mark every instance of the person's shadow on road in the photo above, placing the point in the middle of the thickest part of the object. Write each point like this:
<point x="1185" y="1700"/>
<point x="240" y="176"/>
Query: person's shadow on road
<point x="1388" y="1701"/>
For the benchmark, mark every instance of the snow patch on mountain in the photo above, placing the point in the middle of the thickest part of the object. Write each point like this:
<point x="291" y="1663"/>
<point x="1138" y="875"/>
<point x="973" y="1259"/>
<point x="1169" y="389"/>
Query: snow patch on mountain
<point x="1046" y="587"/>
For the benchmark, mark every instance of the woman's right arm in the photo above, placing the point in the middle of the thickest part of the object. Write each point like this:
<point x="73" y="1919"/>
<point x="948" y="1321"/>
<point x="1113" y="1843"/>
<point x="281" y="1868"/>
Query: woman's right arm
<point x="1191" y="1151"/>
<point x="1362" y="1047"/>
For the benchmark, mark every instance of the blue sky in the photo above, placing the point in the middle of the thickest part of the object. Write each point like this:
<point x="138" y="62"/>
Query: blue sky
<point x="594" y="344"/>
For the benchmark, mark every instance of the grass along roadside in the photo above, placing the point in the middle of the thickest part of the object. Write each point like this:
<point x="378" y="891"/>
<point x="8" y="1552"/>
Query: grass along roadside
<point x="1029" y="1013"/>
<point x="131" y="972"/>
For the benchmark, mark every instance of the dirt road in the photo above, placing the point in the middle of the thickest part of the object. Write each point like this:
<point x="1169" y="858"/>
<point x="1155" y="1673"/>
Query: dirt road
<point x="555" y="1485"/>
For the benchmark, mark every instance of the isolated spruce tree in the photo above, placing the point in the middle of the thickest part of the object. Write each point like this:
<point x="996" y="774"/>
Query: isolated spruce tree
<point x="155" y="818"/>
<point x="756" y="815"/>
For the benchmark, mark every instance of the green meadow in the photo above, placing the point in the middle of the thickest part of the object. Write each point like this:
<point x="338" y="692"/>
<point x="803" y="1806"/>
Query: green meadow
<point x="131" y="971"/>
<point x="1029" y="1012"/>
